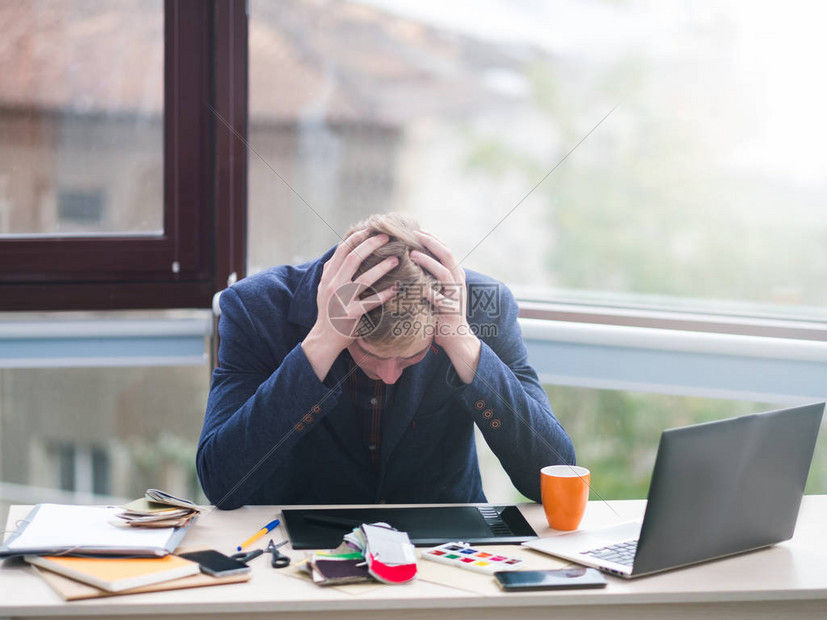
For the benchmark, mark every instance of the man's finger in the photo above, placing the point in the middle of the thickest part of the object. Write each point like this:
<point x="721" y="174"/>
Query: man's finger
<point x="373" y="274"/>
<point x="433" y="266"/>
<point x="425" y="233"/>
<point x="358" y="255"/>
<point x="439" y="249"/>
<point x="345" y="248"/>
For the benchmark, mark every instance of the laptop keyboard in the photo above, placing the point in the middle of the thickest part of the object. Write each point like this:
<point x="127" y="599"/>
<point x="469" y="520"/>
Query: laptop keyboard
<point x="619" y="553"/>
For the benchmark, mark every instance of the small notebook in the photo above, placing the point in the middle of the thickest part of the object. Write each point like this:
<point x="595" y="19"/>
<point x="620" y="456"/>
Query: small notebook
<point x="117" y="574"/>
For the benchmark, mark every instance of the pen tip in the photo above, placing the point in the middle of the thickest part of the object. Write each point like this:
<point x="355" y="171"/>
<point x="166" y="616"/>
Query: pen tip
<point x="238" y="548"/>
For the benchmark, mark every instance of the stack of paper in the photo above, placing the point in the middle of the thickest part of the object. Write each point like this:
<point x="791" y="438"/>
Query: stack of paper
<point x="159" y="509"/>
<point x="51" y="529"/>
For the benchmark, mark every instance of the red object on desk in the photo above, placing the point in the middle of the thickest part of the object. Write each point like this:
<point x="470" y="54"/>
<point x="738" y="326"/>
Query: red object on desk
<point x="398" y="573"/>
<point x="398" y="560"/>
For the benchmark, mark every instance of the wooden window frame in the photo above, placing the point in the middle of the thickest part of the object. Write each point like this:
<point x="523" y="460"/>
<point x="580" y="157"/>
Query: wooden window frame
<point x="205" y="168"/>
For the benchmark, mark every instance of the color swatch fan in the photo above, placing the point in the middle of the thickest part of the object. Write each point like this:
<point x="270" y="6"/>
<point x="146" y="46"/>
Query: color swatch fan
<point x="389" y="554"/>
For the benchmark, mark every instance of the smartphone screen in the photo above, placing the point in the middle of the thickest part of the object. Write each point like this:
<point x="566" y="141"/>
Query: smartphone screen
<point x="215" y="563"/>
<point x="550" y="579"/>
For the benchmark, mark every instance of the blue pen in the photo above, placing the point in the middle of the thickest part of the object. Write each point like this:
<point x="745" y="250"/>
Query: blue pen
<point x="265" y="530"/>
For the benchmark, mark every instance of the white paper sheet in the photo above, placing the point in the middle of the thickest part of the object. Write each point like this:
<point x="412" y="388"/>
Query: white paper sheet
<point x="59" y="526"/>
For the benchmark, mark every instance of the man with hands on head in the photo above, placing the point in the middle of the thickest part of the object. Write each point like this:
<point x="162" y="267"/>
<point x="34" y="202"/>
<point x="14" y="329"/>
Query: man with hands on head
<point x="358" y="378"/>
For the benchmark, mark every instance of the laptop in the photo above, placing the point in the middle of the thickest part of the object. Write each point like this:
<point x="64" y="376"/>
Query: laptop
<point x="717" y="489"/>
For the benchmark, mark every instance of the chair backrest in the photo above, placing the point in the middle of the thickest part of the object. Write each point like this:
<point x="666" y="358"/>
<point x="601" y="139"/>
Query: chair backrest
<point x="216" y="314"/>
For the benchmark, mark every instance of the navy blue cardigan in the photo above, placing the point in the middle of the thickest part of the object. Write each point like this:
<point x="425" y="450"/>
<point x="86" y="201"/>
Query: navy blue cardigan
<point x="275" y="434"/>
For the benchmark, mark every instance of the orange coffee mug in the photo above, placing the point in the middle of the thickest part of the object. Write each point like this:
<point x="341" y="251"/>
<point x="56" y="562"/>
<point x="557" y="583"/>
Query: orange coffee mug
<point x="565" y="491"/>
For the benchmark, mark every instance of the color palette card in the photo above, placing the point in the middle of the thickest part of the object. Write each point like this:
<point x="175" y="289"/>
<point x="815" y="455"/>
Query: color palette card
<point x="464" y="556"/>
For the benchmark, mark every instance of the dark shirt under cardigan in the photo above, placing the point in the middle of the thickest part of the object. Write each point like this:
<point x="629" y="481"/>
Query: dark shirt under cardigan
<point x="275" y="434"/>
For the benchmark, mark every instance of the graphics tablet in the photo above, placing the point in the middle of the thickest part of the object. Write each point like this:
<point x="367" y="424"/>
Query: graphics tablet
<point x="323" y="528"/>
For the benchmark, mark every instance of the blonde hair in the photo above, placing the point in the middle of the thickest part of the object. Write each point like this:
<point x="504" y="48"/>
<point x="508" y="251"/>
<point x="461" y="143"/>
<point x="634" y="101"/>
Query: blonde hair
<point x="408" y="315"/>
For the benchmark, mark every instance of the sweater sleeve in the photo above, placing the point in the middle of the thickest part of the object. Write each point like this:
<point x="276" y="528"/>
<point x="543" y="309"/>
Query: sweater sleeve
<point x="264" y="398"/>
<point x="508" y="404"/>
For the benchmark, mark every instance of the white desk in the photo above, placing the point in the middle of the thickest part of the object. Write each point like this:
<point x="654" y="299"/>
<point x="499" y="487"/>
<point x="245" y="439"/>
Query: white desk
<point x="788" y="580"/>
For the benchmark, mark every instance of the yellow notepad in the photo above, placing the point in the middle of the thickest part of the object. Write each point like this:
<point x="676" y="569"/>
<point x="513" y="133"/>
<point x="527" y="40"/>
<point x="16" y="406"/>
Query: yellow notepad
<point x="116" y="574"/>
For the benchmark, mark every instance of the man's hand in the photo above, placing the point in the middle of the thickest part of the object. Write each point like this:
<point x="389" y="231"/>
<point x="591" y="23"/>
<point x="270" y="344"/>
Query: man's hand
<point x="338" y="299"/>
<point x="451" y="331"/>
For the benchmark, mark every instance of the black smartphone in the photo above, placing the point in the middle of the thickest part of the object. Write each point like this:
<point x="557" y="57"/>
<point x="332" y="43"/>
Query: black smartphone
<point x="559" y="579"/>
<point x="215" y="563"/>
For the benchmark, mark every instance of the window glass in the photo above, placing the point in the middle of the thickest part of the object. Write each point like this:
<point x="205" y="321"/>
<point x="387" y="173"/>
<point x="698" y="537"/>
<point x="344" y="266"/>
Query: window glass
<point x="616" y="435"/>
<point x="81" y="117"/>
<point x="639" y="152"/>
<point x="67" y="434"/>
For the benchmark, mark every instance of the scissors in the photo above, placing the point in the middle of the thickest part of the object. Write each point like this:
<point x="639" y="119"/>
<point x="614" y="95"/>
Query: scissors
<point x="279" y="560"/>
<point x="245" y="557"/>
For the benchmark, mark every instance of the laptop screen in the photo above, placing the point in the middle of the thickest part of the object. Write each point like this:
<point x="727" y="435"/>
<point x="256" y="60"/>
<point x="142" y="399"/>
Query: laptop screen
<point x="725" y="487"/>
